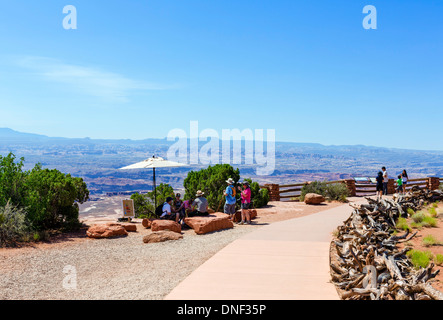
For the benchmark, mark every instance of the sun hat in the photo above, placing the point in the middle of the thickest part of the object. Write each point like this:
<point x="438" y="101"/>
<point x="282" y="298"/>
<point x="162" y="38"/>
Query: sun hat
<point x="230" y="181"/>
<point x="245" y="182"/>
<point x="199" y="193"/>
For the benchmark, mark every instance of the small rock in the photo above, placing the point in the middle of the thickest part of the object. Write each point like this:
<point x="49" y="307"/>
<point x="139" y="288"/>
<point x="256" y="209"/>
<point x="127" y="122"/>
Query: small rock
<point x="107" y="230"/>
<point x="130" y="227"/>
<point x="147" y="223"/>
<point x="252" y="214"/>
<point x="161" y="236"/>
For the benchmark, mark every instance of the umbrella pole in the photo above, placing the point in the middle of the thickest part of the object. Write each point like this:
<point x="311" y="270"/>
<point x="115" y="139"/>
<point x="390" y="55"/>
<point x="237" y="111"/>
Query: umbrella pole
<point x="155" y="191"/>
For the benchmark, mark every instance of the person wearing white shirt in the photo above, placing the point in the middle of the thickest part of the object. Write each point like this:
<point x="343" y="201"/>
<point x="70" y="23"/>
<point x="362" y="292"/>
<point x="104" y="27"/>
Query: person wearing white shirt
<point x="167" y="213"/>
<point x="385" y="180"/>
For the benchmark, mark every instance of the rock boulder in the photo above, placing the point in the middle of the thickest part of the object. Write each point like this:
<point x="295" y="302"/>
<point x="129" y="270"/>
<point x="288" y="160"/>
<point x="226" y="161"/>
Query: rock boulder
<point x="107" y="230"/>
<point x="252" y="213"/>
<point x="130" y="227"/>
<point x="313" y="198"/>
<point x="161" y="236"/>
<point x="147" y="223"/>
<point x="159" y="225"/>
<point x="213" y="222"/>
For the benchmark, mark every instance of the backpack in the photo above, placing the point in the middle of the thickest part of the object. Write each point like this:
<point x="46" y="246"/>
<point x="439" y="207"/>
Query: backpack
<point x="159" y="210"/>
<point x="233" y="191"/>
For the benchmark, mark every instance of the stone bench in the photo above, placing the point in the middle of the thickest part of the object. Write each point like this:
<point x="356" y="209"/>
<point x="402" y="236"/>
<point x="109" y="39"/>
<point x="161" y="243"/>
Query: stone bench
<point x="159" y="225"/>
<point x="213" y="222"/>
<point x="108" y="230"/>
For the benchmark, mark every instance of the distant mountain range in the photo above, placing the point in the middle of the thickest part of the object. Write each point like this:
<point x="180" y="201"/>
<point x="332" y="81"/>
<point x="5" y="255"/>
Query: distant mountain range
<point x="98" y="160"/>
<point x="9" y="136"/>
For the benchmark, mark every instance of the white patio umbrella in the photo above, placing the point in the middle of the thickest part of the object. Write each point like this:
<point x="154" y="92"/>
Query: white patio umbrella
<point x="154" y="162"/>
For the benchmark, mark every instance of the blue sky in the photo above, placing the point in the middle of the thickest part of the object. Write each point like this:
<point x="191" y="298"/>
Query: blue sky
<point x="308" y="69"/>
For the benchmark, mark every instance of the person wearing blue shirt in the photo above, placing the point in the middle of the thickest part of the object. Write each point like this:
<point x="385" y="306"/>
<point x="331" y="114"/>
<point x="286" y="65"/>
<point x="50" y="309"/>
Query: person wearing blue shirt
<point x="230" y="199"/>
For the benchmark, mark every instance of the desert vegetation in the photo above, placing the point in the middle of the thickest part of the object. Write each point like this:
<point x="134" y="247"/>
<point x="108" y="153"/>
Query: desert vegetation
<point x="331" y="191"/>
<point x="144" y="203"/>
<point x="35" y="201"/>
<point x="212" y="181"/>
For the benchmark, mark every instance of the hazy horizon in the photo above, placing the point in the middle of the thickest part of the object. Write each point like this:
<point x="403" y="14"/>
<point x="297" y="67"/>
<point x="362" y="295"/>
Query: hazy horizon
<point x="203" y="142"/>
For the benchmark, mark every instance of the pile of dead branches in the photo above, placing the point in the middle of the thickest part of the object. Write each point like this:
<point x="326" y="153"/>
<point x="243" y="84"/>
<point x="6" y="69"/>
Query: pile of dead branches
<point x="365" y="261"/>
<point x="417" y="198"/>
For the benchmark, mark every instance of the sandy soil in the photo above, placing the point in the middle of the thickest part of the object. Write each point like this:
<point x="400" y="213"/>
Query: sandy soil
<point x="72" y="266"/>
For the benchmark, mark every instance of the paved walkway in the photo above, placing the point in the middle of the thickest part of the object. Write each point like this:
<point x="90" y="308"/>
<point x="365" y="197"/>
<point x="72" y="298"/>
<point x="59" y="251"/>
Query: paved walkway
<point x="286" y="260"/>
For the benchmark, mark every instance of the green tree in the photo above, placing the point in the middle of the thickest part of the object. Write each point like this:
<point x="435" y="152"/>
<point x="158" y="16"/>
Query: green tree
<point x="144" y="203"/>
<point x="52" y="198"/>
<point x="162" y="191"/>
<point x="12" y="180"/>
<point x="259" y="196"/>
<point x="143" y="207"/>
<point x="212" y="181"/>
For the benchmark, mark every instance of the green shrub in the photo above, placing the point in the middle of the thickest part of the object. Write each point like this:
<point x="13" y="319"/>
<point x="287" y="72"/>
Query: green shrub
<point x="42" y="235"/>
<point x="418" y="217"/>
<point x="337" y="191"/>
<point x="318" y="187"/>
<point x="160" y="193"/>
<point x="13" y="225"/>
<point x="415" y="225"/>
<point x="50" y="197"/>
<point x="36" y="236"/>
<point x="429" y="222"/>
<point x="12" y="180"/>
<point x="432" y="212"/>
<point x="259" y="196"/>
<point x="410" y="211"/>
<point x="438" y="259"/>
<point x="331" y="191"/>
<point x="212" y="181"/>
<point x="144" y="203"/>
<point x="420" y="258"/>
<point x="402" y="224"/>
<point x="429" y="241"/>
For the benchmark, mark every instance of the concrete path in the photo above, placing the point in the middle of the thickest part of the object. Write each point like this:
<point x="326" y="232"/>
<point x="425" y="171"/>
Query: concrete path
<point x="286" y="260"/>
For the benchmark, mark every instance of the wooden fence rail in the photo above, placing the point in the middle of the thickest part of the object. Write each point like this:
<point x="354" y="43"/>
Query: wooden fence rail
<point x="293" y="191"/>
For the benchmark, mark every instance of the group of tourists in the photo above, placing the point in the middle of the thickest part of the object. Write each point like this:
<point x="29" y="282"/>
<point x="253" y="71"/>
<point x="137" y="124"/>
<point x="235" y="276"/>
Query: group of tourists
<point x="177" y="209"/>
<point x="230" y="204"/>
<point x="383" y="179"/>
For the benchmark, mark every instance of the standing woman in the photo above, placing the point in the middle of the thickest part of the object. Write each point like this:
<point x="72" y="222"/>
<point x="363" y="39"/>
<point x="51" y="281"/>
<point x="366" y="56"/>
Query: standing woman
<point x="404" y="178"/>
<point x="245" y="203"/>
